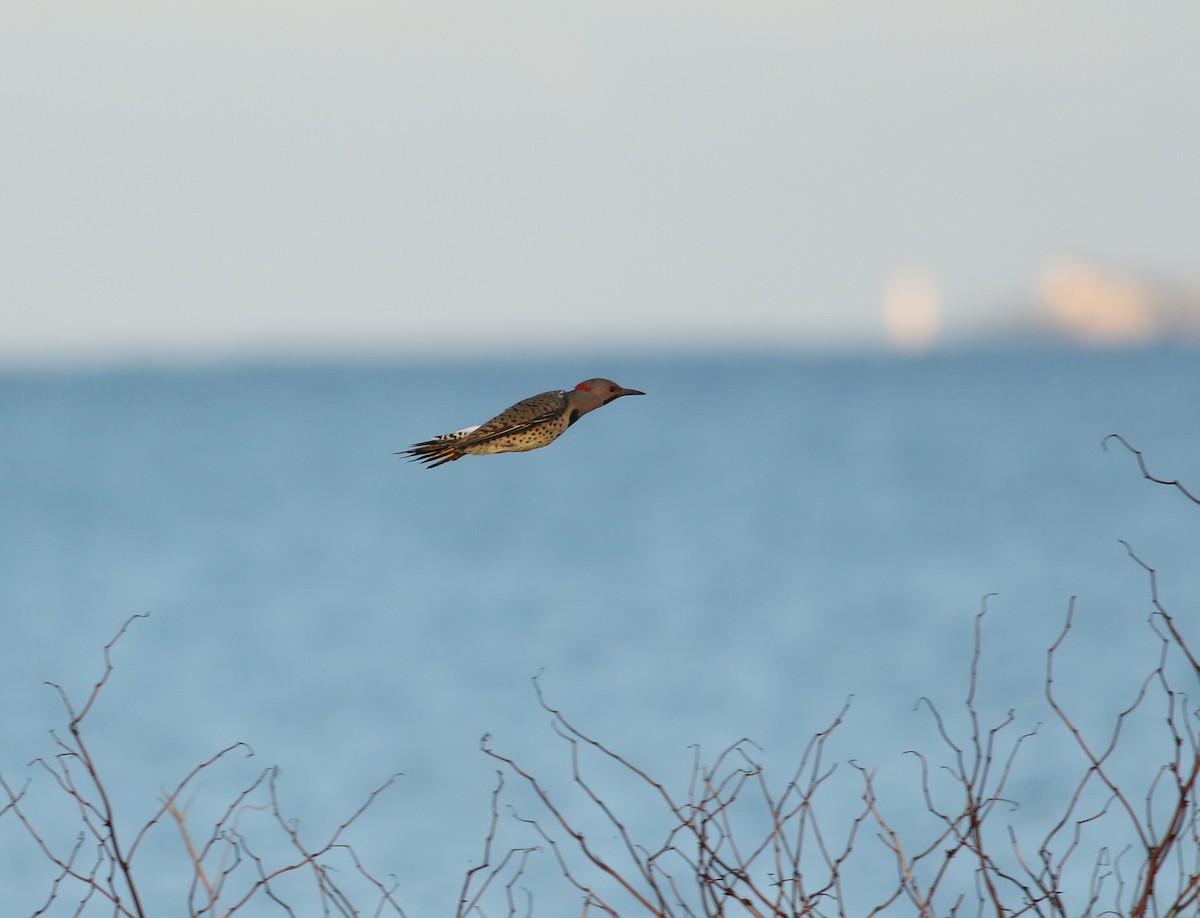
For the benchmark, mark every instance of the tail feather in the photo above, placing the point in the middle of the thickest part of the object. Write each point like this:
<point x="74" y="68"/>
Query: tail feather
<point x="432" y="453"/>
<point x="438" y="450"/>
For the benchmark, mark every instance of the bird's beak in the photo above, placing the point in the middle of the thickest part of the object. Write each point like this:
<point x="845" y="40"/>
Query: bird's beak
<point x="629" y="392"/>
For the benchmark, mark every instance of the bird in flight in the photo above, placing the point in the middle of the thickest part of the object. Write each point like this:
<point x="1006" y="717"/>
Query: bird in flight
<point x="529" y="424"/>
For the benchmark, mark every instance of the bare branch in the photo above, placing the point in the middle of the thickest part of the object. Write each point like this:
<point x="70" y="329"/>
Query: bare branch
<point x="1141" y="460"/>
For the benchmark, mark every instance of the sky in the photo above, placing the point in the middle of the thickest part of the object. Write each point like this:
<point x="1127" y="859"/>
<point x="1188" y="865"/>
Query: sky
<point x="184" y="179"/>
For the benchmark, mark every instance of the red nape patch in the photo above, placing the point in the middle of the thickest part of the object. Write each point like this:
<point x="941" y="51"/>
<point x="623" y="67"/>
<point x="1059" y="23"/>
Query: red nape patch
<point x="582" y="387"/>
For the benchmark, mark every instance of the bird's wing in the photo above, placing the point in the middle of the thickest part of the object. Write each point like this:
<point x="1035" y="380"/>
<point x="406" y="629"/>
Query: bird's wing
<point x="527" y="413"/>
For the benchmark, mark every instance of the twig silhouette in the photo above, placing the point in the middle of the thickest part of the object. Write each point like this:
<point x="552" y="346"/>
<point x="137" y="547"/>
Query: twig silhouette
<point x="974" y="862"/>
<point x="114" y="879"/>
<point x="1141" y="460"/>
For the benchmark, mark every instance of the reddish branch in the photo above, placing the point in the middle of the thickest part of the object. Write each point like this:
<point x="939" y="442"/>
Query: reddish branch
<point x="708" y="864"/>
<point x="114" y="876"/>
<point x="736" y="841"/>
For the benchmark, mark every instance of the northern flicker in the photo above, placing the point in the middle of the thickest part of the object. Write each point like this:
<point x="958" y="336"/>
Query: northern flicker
<point x="529" y="424"/>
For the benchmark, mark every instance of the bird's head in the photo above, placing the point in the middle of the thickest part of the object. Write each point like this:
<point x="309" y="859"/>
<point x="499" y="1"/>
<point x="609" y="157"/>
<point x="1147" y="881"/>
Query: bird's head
<point x="592" y="393"/>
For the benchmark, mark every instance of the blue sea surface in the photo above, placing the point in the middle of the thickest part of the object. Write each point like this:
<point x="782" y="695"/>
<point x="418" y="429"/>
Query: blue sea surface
<point x="734" y="555"/>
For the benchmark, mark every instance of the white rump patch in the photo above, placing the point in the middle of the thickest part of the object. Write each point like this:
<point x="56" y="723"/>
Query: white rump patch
<point x="458" y="434"/>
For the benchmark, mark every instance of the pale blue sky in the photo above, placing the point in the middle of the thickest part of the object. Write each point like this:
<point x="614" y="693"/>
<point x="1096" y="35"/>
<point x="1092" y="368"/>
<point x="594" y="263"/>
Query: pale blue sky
<point x="192" y="178"/>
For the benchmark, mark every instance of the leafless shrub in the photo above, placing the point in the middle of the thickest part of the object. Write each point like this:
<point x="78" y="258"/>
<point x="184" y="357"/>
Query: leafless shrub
<point x="1124" y="838"/>
<point x="100" y="869"/>
<point x="716" y="858"/>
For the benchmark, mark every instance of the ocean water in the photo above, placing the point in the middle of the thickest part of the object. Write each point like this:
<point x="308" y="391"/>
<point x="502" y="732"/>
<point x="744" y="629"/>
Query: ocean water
<point x="734" y="555"/>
